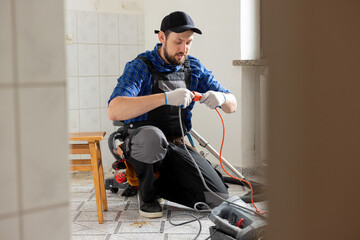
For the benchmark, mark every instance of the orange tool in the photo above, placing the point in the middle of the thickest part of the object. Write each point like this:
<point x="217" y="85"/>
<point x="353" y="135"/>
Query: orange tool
<point x="197" y="96"/>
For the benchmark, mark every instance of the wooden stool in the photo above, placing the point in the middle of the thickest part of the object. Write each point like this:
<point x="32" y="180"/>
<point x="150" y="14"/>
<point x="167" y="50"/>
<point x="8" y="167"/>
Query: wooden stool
<point x="94" y="164"/>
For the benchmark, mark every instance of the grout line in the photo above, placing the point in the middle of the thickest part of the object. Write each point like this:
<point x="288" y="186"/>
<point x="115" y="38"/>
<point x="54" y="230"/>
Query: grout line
<point x="162" y="226"/>
<point x="7" y="85"/>
<point x="9" y="215"/>
<point x="80" y="206"/>
<point x="118" y="29"/>
<point x="118" y="216"/>
<point x="77" y="68"/>
<point x="77" y="216"/>
<point x="127" y="205"/>
<point x="117" y="227"/>
<point x="91" y="196"/>
<point x="168" y="215"/>
<point x="137" y="29"/>
<point x="166" y="236"/>
<point x="99" y="69"/>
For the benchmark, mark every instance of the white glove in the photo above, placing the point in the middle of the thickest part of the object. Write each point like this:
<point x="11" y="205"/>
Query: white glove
<point x="179" y="97"/>
<point x="213" y="99"/>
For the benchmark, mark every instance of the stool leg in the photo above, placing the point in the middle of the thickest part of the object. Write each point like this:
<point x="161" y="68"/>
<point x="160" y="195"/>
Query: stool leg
<point x="101" y="178"/>
<point x="95" y="170"/>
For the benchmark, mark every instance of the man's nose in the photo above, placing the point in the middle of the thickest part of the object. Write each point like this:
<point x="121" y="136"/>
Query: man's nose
<point x="183" y="48"/>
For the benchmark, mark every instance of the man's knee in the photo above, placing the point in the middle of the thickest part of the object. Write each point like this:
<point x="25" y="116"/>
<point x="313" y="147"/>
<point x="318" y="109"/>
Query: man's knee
<point x="146" y="144"/>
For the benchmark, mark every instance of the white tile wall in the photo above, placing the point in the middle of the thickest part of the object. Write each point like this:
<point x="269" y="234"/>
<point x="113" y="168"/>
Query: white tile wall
<point x="141" y="30"/>
<point x="72" y="92"/>
<point x="8" y="176"/>
<point x="5" y="43"/>
<point x="71" y="24"/>
<point x="108" y="28"/>
<point x="106" y="125"/>
<point x="36" y="58"/>
<point x="88" y="59"/>
<point x="41" y="118"/>
<point x="9" y="228"/>
<point x="71" y="59"/>
<point x="74" y="120"/>
<point x="34" y="224"/>
<point x="90" y="120"/>
<point x="127" y="53"/>
<point x="109" y="60"/>
<point x="141" y="48"/>
<point x="102" y="44"/>
<point x="107" y="85"/>
<point x="33" y="140"/>
<point x="87" y="23"/>
<point x="128" y="29"/>
<point x="89" y="93"/>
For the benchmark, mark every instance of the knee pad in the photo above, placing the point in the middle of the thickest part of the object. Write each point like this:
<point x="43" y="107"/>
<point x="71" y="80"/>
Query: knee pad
<point x="145" y="144"/>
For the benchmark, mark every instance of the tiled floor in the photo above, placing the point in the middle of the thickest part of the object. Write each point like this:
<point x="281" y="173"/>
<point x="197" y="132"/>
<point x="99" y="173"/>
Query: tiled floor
<point x="122" y="220"/>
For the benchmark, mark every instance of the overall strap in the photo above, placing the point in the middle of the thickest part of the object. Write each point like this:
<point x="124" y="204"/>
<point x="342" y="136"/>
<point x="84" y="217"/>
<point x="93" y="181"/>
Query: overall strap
<point x="147" y="62"/>
<point x="151" y="66"/>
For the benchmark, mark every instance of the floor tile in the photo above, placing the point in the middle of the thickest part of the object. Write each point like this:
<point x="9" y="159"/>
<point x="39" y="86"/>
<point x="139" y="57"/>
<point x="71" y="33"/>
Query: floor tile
<point x="137" y="236"/>
<point x="122" y="221"/>
<point x="88" y="237"/>
<point x="93" y="216"/>
<point x="141" y="226"/>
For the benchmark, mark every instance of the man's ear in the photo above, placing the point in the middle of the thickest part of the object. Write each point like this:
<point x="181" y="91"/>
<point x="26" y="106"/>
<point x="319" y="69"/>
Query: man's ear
<point x="161" y="36"/>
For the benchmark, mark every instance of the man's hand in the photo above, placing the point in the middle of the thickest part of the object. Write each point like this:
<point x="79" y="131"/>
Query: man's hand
<point x="213" y="99"/>
<point x="179" y="97"/>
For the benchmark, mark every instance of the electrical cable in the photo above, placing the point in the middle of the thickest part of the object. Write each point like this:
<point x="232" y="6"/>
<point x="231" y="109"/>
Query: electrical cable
<point x="257" y="212"/>
<point x="243" y="180"/>
<point x="203" y="180"/>
<point x="188" y="214"/>
<point x="215" y="230"/>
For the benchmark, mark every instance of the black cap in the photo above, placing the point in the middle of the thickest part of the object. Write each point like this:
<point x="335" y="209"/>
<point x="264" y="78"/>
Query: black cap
<point x="178" y="22"/>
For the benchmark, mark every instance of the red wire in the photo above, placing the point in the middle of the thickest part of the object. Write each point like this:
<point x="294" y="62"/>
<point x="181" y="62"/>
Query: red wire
<point x="243" y="180"/>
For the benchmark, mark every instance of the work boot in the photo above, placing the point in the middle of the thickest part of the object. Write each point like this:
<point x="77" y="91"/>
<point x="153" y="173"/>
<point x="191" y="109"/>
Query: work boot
<point x="150" y="209"/>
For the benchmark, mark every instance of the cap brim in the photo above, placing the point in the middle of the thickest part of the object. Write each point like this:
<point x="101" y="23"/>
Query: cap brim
<point x="185" y="28"/>
<point x="182" y="29"/>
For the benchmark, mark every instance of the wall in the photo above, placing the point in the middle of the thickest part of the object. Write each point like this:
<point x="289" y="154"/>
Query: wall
<point x="254" y="75"/>
<point x="34" y="162"/>
<point x="100" y="42"/>
<point x="216" y="48"/>
<point x="314" y="115"/>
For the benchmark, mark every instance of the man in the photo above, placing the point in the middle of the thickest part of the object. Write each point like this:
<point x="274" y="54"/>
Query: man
<point x="151" y="96"/>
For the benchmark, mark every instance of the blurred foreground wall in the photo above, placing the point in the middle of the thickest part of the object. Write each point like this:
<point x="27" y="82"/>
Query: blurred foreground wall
<point x="313" y="48"/>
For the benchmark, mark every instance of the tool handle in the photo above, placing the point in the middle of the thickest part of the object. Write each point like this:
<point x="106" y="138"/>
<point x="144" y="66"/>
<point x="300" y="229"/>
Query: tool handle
<point x="197" y="96"/>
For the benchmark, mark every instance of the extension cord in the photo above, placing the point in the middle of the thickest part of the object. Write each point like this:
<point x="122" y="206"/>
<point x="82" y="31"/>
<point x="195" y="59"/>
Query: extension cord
<point x="257" y="212"/>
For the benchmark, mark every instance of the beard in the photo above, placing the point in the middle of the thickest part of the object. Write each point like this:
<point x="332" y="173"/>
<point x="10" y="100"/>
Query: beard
<point x="171" y="59"/>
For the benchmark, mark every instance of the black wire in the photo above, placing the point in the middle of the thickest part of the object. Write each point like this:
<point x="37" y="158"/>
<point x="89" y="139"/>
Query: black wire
<point x="183" y="223"/>
<point x="206" y="187"/>
<point x="203" y="180"/>
<point x="215" y="230"/>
